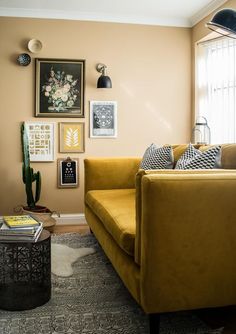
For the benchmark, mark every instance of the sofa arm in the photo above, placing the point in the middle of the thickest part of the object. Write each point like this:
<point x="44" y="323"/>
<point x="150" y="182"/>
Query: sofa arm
<point x="138" y="186"/>
<point x="188" y="241"/>
<point x="110" y="173"/>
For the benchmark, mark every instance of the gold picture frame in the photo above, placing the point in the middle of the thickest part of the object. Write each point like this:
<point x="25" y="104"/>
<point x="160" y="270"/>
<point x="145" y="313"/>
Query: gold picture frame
<point x="71" y="137"/>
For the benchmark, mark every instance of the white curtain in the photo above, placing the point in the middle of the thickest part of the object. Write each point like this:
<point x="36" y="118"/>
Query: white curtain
<point x="215" y="87"/>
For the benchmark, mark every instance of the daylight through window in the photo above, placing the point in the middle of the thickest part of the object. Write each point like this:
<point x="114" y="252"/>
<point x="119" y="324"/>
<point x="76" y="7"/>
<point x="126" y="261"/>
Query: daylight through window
<point x="216" y="87"/>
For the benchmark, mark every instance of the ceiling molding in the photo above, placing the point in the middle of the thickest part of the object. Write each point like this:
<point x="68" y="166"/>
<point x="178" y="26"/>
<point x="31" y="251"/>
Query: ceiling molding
<point x="89" y="16"/>
<point x="206" y="11"/>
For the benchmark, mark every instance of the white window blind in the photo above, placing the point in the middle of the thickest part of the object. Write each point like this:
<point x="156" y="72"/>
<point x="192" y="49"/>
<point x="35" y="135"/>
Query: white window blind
<point x="216" y="88"/>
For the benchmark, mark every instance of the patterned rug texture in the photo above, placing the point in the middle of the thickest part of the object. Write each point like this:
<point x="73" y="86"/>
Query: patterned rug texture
<point x="93" y="301"/>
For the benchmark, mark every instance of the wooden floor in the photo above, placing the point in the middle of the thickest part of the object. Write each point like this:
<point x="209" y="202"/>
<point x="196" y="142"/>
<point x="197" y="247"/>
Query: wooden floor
<point x="214" y="318"/>
<point x="82" y="229"/>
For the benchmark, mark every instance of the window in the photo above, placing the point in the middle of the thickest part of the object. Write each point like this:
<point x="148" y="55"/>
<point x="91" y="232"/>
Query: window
<point x="216" y="87"/>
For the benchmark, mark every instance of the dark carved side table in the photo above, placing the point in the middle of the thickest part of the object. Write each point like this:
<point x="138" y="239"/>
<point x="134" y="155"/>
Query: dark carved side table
<point x="25" y="273"/>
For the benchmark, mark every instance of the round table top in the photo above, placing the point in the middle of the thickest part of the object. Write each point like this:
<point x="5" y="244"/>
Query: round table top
<point x="43" y="236"/>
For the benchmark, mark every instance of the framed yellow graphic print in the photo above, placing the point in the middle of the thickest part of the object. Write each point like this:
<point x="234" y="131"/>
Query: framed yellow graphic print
<point x="71" y="137"/>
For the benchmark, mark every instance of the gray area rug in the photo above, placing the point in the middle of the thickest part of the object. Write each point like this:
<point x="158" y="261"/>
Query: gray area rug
<point x="92" y="301"/>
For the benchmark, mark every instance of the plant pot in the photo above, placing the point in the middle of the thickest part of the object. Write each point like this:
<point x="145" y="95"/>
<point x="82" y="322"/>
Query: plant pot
<point x="40" y="213"/>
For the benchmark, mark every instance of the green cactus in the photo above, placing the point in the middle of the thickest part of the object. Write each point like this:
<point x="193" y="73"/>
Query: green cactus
<point x="28" y="174"/>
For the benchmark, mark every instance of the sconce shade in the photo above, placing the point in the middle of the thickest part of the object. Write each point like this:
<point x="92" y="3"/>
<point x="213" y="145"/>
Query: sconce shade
<point x="104" y="82"/>
<point x="224" y="23"/>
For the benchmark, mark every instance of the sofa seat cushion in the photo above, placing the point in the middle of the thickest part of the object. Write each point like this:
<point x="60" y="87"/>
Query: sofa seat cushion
<point x="116" y="210"/>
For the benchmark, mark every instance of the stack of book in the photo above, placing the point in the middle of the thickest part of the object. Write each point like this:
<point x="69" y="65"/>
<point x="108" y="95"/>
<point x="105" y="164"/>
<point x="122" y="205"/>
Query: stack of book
<point x="20" y="228"/>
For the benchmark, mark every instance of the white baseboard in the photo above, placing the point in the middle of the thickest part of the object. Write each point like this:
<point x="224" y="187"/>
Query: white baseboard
<point x="70" y="219"/>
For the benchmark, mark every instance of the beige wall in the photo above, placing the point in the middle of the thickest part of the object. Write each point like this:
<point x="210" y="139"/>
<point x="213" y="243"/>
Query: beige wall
<point x="150" y="68"/>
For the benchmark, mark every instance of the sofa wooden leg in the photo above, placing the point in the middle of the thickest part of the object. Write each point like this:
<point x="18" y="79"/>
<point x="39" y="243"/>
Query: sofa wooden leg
<point x="154" y="323"/>
<point x="91" y="231"/>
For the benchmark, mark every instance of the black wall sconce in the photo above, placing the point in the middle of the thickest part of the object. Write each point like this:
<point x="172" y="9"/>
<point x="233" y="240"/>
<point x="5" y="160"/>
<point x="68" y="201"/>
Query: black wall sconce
<point x="104" y="81"/>
<point x="224" y="23"/>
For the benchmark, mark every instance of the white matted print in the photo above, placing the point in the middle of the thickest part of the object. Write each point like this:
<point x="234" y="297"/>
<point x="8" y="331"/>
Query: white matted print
<point x="41" y="141"/>
<point x="103" y="119"/>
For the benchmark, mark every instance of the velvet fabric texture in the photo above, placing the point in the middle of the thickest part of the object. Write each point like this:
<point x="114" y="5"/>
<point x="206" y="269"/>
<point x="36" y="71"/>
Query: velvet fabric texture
<point x="187" y="243"/>
<point x="110" y="173"/>
<point x="184" y="234"/>
<point x="116" y="209"/>
<point x="123" y="263"/>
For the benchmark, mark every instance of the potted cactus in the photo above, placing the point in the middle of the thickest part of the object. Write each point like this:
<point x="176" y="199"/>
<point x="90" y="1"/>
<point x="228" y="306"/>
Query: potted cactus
<point x="29" y="177"/>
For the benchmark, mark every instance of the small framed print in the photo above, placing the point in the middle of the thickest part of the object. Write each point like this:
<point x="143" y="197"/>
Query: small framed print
<point x="103" y="119"/>
<point x="67" y="173"/>
<point x="71" y="137"/>
<point x="41" y="141"/>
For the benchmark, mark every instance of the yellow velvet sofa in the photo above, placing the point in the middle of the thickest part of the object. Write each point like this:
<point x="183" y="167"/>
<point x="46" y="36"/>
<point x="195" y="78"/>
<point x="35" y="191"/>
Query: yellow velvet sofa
<point x="170" y="234"/>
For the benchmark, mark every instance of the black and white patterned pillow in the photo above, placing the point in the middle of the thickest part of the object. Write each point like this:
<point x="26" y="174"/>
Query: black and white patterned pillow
<point x="158" y="158"/>
<point x="195" y="159"/>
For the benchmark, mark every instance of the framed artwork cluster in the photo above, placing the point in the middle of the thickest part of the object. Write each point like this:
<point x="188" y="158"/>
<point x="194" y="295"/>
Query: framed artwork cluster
<point x="42" y="138"/>
<point x="42" y="148"/>
<point x="60" y="93"/>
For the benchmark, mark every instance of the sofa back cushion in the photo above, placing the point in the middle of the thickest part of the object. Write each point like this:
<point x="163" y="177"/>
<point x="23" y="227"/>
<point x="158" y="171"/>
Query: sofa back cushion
<point x="110" y="173"/>
<point x="228" y="155"/>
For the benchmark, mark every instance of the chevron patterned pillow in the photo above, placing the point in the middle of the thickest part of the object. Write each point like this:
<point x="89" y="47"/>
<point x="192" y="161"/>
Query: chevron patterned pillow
<point x="196" y="159"/>
<point x="158" y="158"/>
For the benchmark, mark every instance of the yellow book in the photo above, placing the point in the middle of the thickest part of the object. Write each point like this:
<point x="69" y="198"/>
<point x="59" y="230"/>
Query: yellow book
<point x="20" y="221"/>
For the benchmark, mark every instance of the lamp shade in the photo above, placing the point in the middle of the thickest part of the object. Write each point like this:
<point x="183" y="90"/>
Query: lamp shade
<point x="224" y="23"/>
<point x="104" y="81"/>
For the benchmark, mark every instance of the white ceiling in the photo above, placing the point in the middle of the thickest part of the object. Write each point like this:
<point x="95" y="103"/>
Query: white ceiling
<point x="180" y="13"/>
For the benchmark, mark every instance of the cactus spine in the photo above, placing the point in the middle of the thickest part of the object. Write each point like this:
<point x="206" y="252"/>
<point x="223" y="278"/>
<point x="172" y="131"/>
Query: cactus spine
<point x="28" y="174"/>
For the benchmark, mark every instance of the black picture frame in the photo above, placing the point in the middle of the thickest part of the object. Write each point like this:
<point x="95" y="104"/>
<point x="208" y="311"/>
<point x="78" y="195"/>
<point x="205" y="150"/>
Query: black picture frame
<point x="59" y="85"/>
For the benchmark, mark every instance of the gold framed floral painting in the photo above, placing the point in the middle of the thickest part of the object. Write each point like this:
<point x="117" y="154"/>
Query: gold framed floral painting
<point x="71" y="137"/>
<point x="59" y="88"/>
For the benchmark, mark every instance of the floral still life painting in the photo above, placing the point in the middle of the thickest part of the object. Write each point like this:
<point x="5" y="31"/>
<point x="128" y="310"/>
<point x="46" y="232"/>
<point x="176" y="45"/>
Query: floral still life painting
<point x="60" y="88"/>
<point x="71" y="137"/>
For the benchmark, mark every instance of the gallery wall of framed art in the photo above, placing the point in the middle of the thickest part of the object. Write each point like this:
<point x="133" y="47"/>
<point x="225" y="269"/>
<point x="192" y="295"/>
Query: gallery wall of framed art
<point x="60" y="93"/>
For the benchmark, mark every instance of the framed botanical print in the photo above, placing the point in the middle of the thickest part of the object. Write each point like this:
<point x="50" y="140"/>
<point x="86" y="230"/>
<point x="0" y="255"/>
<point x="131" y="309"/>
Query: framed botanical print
<point x="71" y="137"/>
<point x="59" y="88"/>
<point x="41" y="141"/>
<point x="103" y="119"/>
